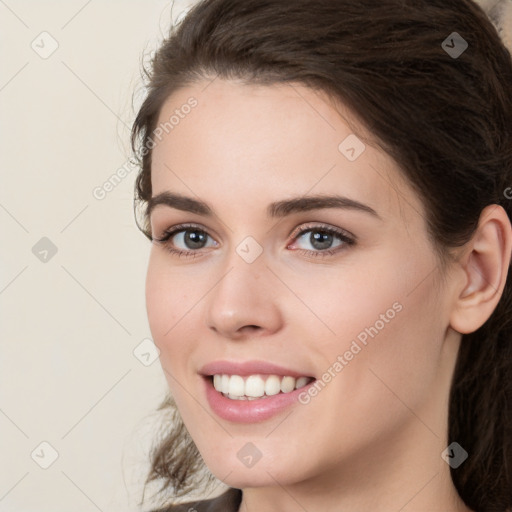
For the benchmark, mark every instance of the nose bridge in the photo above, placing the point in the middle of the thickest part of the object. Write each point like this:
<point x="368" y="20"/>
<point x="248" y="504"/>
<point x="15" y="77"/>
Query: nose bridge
<point x="243" y="277"/>
<point x="241" y="296"/>
<point x="245" y="265"/>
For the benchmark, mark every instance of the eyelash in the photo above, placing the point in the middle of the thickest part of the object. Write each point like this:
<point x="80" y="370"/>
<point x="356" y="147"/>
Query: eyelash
<point x="342" y="235"/>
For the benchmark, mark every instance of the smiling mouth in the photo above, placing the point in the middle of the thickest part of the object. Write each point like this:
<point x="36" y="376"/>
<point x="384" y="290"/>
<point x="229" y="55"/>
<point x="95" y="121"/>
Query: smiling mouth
<point x="257" y="386"/>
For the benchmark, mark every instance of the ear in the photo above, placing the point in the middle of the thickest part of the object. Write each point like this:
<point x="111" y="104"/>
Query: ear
<point x="484" y="268"/>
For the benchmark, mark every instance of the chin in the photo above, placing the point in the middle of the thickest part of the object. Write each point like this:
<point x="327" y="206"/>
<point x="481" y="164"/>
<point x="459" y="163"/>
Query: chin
<point x="263" y="473"/>
<point x="251" y="477"/>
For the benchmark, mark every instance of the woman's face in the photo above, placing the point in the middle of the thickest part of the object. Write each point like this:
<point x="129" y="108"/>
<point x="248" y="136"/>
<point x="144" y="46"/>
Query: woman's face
<point x="261" y="280"/>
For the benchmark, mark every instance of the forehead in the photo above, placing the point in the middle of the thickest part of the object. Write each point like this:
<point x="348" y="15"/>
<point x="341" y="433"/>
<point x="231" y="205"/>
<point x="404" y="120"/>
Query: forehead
<point x="251" y="144"/>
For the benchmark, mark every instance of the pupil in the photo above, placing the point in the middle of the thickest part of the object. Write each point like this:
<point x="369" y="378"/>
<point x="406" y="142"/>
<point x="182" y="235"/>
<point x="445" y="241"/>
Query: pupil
<point x="321" y="240"/>
<point x="194" y="239"/>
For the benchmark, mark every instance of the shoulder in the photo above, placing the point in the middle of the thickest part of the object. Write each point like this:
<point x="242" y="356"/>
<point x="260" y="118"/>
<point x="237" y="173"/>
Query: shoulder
<point x="229" y="501"/>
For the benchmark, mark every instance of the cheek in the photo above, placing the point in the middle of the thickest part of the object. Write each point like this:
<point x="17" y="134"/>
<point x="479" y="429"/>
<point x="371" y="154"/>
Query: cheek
<point x="362" y="299"/>
<point x="399" y="353"/>
<point x="167" y="304"/>
<point x="388" y="331"/>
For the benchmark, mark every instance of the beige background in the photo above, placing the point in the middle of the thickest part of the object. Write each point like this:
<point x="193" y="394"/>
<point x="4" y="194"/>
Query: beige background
<point x="72" y="323"/>
<point x="69" y="325"/>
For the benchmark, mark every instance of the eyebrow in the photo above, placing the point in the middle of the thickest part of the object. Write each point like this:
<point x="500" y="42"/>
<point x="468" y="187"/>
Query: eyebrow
<point x="274" y="210"/>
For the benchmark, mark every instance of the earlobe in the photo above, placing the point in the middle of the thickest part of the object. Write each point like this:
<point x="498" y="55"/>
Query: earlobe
<point x="485" y="267"/>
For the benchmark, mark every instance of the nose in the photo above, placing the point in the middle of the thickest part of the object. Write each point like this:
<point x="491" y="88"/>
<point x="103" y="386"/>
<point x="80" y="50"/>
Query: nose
<point x="244" y="301"/>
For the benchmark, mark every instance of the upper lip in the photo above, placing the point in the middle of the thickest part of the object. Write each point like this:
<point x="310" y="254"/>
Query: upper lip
<point x="244" y="368"/>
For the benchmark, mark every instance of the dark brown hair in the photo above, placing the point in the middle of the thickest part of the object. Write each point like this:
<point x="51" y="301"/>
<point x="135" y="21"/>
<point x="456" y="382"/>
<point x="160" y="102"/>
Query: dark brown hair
<point x="447" y="122"/>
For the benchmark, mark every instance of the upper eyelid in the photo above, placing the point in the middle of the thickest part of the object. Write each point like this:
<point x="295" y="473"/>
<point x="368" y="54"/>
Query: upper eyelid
<point x="319" y="226"/>
<point x="299" y="230"/>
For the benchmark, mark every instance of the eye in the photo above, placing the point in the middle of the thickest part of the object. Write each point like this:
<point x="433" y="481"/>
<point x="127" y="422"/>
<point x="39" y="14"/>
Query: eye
<point x="189" y="236"/>
<point x="322" y="239"/>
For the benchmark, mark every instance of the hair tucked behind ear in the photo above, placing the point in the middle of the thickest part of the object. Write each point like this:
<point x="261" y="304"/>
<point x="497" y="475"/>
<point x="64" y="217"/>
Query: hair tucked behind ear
<point x="447" y="122"/>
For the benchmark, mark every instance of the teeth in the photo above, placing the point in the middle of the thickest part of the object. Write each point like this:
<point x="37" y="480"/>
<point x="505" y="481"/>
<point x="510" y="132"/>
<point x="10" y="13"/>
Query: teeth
<point x="301" y="382"/>
<point x="256" y="386"/>
<point x="236" y="385"/>
<point x="287" y="384"/>
<point x="217" y="382"/>
<point x="225" y="384"/>
<point x="272" y="385"/>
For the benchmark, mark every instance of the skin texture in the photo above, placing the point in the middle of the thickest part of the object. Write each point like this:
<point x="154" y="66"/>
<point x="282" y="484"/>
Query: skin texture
<point x="372" y="438"/>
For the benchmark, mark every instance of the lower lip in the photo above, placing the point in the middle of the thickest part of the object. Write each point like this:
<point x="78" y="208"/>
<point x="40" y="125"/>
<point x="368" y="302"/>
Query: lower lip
<point x="250" y="411"/>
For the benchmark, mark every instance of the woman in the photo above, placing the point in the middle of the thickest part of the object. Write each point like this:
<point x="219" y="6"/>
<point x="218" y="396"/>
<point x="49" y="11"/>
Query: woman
<point x="327" y="186"/>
